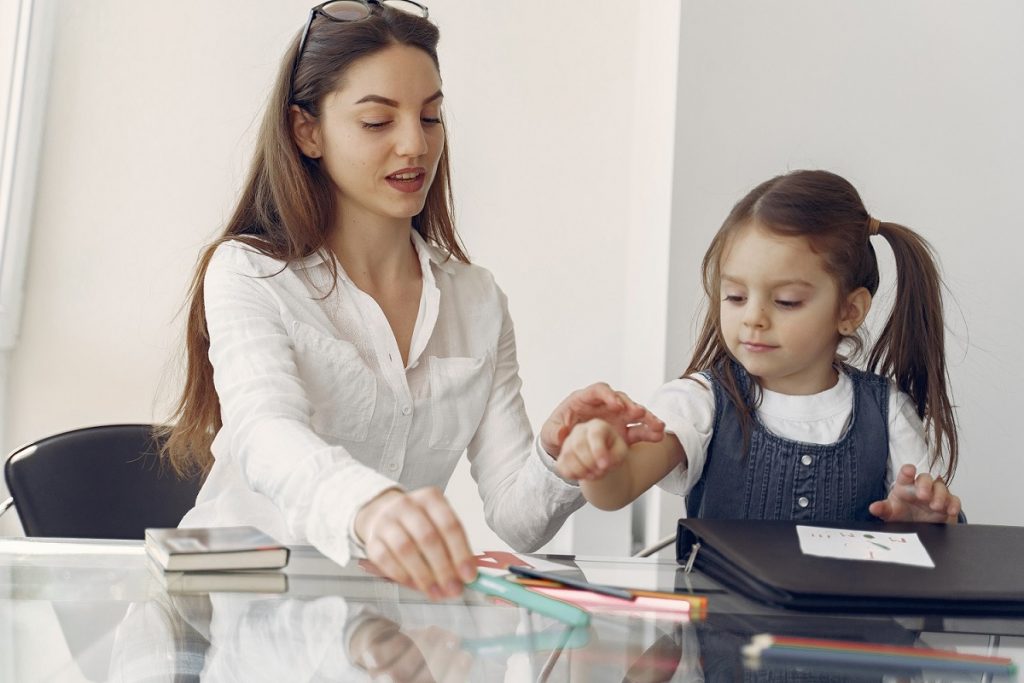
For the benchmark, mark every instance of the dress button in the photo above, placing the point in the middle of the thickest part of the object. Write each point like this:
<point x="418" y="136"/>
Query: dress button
<point x="406" y="410"/>
<point x="392" y="466"/>
<point x="806" y="460"/>
<point x="802" y="501"/>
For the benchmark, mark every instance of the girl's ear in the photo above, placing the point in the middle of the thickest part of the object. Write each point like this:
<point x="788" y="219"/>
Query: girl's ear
<point x="305" y="131"/>
<point x="853" y="311"/>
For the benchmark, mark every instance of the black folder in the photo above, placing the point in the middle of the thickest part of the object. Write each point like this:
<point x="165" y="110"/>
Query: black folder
<point x="979" y="569"/>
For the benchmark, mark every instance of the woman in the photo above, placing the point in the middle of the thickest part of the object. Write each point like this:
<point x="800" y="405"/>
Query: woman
<point x="342" y="350"/>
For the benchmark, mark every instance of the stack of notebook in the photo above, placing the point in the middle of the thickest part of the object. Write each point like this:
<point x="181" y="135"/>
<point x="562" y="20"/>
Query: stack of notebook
<point x="217" y="559"/>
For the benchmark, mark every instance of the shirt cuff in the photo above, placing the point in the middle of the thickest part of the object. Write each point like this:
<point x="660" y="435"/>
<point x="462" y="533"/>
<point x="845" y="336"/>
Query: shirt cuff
<point x="679" y="481"/>
<point x="356" y="546"/>
<point x="336" y="502"/>
<point x="549" y="464"/>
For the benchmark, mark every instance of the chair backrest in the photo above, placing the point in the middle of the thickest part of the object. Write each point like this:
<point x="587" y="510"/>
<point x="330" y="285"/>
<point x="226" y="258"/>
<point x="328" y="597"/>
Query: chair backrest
<point x="97" y="482"/>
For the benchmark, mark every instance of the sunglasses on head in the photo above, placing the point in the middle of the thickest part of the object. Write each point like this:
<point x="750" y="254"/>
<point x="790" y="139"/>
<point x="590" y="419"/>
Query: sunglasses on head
<point x="349" y="10"/>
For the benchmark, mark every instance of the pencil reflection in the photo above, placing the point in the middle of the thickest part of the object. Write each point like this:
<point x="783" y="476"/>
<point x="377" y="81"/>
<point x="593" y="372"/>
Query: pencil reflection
<point x="711" y="653"/>
<point x="722" y="640"/>
<point x="381" y="636"/>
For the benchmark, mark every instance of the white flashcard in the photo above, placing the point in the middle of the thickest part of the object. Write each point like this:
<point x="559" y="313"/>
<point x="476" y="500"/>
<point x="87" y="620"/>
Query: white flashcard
<point x="872" y="546"/>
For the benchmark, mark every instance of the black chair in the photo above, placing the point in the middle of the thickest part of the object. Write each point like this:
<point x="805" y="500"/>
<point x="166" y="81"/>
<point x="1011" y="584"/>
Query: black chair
<point x="97" y="482"/>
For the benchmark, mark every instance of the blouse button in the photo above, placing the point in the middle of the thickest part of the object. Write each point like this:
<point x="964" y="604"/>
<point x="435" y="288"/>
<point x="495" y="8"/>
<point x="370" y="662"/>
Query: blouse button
<point x="392" y="467"/>
<point x="802" y="501"/>
<point x="807" y="460"/>
<point x="406" y="410"/>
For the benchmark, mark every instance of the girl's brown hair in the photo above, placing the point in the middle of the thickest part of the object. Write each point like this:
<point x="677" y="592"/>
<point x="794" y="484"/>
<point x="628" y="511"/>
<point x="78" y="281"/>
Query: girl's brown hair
<point x="827" y="211"/>
<point x="287" y="202"/>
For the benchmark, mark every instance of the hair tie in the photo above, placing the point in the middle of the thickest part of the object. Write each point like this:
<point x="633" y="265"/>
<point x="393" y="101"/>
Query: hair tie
<point x="872" y="226"/>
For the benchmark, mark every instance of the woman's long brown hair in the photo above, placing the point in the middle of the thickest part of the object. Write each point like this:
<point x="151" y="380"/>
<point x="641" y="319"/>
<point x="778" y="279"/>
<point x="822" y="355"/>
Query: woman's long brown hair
<point x="827" y="211"/>
<point x="287" y="202"/>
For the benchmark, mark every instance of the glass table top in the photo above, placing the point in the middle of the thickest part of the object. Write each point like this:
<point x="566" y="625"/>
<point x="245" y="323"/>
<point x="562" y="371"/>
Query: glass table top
<point x="100" y="611"/>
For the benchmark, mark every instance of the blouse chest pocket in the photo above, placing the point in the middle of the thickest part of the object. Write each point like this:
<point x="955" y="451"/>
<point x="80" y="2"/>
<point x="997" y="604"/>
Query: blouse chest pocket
<point x="459" y="391"/>
<point x="341" y="388"/>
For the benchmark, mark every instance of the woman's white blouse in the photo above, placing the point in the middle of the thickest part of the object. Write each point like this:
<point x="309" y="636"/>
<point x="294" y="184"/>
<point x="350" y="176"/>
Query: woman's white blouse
<point x="320" y="416"/>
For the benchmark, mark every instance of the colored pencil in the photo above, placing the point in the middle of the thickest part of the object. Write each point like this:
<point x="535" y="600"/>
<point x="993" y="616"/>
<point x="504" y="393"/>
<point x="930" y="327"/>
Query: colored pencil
<point x="511" y="591"/>
<point x="837" y="652"/>
<point x="698" y="603"/>
<point x="531" y="573"/>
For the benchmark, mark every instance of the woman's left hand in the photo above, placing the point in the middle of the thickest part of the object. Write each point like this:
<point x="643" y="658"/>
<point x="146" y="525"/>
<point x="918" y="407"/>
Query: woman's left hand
<point x="631" y="420"/>
<point x="920" y="498"/>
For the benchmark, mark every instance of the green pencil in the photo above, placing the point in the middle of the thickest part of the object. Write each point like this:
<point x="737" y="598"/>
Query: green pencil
<point x="531" y="600"/>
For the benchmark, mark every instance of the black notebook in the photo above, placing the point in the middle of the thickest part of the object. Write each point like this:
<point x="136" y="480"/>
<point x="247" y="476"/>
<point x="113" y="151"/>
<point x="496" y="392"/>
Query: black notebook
<point x="978" y="568"/>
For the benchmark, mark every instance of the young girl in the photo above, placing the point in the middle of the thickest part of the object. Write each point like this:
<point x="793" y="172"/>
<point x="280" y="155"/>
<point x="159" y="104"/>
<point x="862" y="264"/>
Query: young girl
<point x="342" y="352"/>
<point x="768" y="421"/>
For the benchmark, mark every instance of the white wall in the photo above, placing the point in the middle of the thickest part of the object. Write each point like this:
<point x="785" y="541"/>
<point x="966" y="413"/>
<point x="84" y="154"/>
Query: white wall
<point x="8" y="27"/>
<point x="8" y="36"/>
<point x="151" y="120"/>
<point x="564" y="144"/>
<point x="919" y="103"/>
<point x="559" y="122"/>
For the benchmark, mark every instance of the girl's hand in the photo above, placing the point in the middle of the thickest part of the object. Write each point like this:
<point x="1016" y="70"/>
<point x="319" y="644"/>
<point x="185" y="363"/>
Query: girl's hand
<point x="416" y="540"/>
<point x="631" y="420"/>
<point x="917" y="499"/>
<point x="591" y="450"/>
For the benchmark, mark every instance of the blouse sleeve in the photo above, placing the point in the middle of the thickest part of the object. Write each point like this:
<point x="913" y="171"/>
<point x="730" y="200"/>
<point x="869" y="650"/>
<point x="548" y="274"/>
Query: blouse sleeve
<point x="525" y="501"/>
<point x="266" y="412"/>
<point x="255" y="639"/>
<point x="687" y="407"/>
<point x="908" y="441"/>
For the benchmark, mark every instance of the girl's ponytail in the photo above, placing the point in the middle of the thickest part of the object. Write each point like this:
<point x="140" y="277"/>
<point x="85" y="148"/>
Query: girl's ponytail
<point x="911" y="346"/>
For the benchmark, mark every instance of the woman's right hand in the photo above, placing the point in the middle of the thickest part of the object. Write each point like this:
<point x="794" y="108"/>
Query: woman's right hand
<point x="416" y="539"/>
<point x="591" y="450"/>
<point x="599" y="401"/>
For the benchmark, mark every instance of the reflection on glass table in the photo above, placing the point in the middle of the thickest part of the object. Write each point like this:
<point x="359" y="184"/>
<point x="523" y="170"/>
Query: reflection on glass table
<point x="94" y="611"/>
